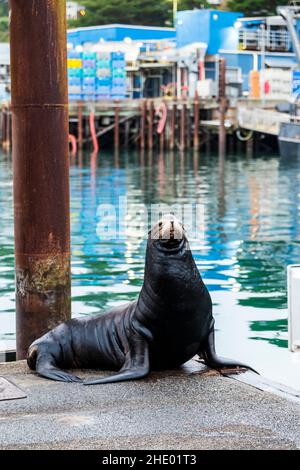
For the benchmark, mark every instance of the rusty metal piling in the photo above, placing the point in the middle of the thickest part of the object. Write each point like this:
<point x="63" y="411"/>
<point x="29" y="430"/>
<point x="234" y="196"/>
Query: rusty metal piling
<point x="143" y="124"/>
<point x="80" y="127"/>
<point x="41" y="167"/>
<point x="196" y="123"/>
<point x="223" y="105"/>
<point x="150" y="131"/>
<point x="117" y="127"/>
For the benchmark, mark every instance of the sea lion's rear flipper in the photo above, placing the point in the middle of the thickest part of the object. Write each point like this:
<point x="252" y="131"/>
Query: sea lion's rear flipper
<point x="136" y="363"/>
<point x="46" y="367"/>
<point x="211" y="359"/>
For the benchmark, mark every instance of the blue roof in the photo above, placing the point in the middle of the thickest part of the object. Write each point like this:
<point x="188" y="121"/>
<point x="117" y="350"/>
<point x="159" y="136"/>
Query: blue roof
<point x="118" y="32"/>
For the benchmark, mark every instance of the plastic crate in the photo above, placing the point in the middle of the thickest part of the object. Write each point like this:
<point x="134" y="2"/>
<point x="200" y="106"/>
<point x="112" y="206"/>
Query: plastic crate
<point x="103" y="73"/>
<point x="87" y="63"/>
<point x="88" y="89"/>
<point x="74" y="81"/>
<point x="104" y="81"/>
<point x="117" y="56"/>
<point x="103" y="55"/>
<point x="75" y="73"/>
<point x="100" y="97"/>
<point x="75" y="97"/>
<point x="118" y="63"/>
<point x="118" y="90"/>
<point x="88" y="97"/>
<point x="103" y="64"/>
<point x="103" y="90"/>
<point x="89" y="55"/>
<point x="74" y="55"/>
<point x="74" y="89"/>
<point x="88" y="72"/>
<point x="118" y="97"/>
<point x="89" y="81"/>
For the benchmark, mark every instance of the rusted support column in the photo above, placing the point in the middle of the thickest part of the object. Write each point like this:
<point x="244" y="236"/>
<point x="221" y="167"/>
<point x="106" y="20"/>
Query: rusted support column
<point x="188" y="126"/>
<point x="162" y="141"/>
<point x="143" y="124"/>
<point x="150" y="127"/>
<point x="223" y="105"/>
<point x="8" y="128"/>
<point x="182" y="126"/>
<point x="80" y="127"/>
<point x="172" y="126"/>
<point x="40" y="167"/>
<point x="117" y="127"/>
<point x="126" y="133"/>
<point x="196" y="122"/>
<point x="3" y="126"/>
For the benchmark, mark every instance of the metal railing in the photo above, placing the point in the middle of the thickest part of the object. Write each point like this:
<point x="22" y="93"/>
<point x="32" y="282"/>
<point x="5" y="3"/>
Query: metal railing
<point x="270" y="40"/>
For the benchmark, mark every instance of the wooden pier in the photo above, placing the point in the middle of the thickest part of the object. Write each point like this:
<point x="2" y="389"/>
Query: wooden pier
<point x="143" y="123"/>
<point x="161" y="123"/>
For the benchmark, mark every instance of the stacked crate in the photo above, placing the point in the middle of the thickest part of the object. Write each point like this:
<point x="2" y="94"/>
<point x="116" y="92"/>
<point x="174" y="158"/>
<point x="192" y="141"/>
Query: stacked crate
<point x="118" y="85"/>
<point x="89" y="83"/>
<point x="74" y="75"/>
<point x="96" y="76"/>
<point x="103" y="75"/>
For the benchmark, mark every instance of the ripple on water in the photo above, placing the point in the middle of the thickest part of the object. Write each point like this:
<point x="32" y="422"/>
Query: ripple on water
<point x="249" y="233"/>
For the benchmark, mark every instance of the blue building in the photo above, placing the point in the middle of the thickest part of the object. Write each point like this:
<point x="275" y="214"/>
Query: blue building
<point x="118" y="32"/>
<point x="213" y="27"/>
<point x="246" y="43"/>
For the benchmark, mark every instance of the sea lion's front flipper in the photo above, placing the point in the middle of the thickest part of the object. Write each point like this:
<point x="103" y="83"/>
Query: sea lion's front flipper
<point x="136" y="363"/>
<point x="211" y="359"/>
<point x="46" y="367"/>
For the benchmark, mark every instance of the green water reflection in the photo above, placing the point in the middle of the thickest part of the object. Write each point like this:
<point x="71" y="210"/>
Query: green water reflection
<point x="250" y="231"/>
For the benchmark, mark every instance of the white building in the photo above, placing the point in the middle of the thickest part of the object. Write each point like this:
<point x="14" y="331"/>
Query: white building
<point x="73" y="8"/>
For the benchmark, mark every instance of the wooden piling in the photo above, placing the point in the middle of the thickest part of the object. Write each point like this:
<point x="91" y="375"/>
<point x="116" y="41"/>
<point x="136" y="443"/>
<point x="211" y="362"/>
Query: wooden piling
<point x="182" y="125"/>
<point x="3" y="126"/>
<point x="223" y="105"/>
<point x="8" y="129"/>
<point x="126" y="133"/>
<point x="172" y="126"/>
<point x="143" y="124"/>
<point x="196" y="123"/>
<point x="117" y="127"/>
<point x="80" y="127"/>
<point x="188" y="126"/>
<point x="150" y="125"/>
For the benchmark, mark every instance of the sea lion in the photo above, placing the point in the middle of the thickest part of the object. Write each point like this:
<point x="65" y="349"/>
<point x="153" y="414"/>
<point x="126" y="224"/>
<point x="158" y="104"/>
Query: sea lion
<point x="169" y="323"/>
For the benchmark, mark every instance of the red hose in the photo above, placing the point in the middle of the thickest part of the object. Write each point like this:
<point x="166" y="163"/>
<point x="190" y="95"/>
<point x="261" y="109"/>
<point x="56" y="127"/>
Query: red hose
<point x="93" y="132"/>
<point x="162" y="112"/>
<point x="73" y="142"/>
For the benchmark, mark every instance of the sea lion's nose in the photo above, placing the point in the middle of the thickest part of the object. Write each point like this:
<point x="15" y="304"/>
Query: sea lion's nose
<point x="171" y="229"/>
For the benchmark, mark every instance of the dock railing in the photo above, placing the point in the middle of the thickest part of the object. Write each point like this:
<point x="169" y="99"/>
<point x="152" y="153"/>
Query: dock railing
<point x="262" y="120"/>
<point x="258" y="39"/>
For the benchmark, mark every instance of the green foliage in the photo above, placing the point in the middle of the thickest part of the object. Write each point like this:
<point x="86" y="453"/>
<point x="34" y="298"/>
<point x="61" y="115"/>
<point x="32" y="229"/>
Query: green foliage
<point x="4" y="21"/>
<point x="4" y="29"/>
<point x="255" y="7"/>
<point x="140" y="12"/>
<point x="3" y="8"/>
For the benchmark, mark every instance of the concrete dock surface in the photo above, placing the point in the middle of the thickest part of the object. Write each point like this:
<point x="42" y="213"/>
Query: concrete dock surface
<point x="186" y="409"/>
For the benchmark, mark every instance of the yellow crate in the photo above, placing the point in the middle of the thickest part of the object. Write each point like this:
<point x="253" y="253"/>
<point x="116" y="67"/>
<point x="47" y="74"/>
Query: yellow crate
<point x="77" y="63"/>
<point x="71" y="63"/>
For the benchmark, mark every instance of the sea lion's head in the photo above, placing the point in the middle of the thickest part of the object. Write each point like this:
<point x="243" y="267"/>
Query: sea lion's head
<point x="168" y="235"/>
<point x="170" y="268"/>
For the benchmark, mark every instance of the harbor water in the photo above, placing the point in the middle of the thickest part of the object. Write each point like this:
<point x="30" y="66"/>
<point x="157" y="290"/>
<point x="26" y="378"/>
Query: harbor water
<point x="247" y="235"/>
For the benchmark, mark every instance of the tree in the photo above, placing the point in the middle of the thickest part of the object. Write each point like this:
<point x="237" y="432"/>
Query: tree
<point x="124" y="11"/>
<point x="140" y="12"/>
<point x="3" y="21"/>
<point x="3" y="8"/>
<point x="255" y="7"/>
